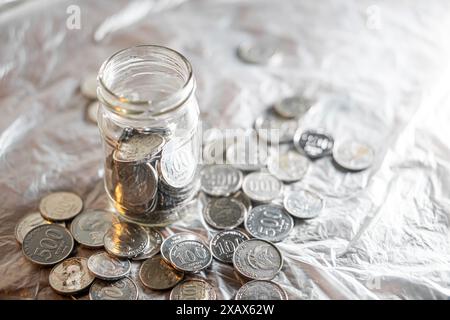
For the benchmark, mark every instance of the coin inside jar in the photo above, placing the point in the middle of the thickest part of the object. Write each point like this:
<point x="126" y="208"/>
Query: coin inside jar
<point x="125" y="240"/>
<point x="261" y="186"/>
<point x="89" y="227"/>
<point x="139" y="146"/>
<point x="269" y="222"/>
<point x="170" y="241"/>
<point x="190" y="256"/>
<point x="257" y="259"/>
<point x="155" y="240"/>
<point x="224" y="243"/>
<point x="106" y="267"/>
<point x="122" y="289"/>
<point x="220" y="180"/>
<point x="261" y="290"/>
<point x="224" y="213"/>
<point x="353" y="155"/>
<point x="60" y="206"/>
<point x="195" y="289"/>
<point x="289" y="166"/>
<point x="71" y="276"/>
<point x="157" y="274"/>
<point x="303" y="204"/>
<point x="313" y="143"/>
<point x="29" y="222"/>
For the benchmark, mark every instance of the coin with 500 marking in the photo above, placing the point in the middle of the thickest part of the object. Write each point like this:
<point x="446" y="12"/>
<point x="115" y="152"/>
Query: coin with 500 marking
<point x="269" y="222"/>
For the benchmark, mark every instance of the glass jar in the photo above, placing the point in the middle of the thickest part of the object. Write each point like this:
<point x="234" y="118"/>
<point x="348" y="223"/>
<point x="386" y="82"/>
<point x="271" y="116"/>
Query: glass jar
<point x="148" y="119"/>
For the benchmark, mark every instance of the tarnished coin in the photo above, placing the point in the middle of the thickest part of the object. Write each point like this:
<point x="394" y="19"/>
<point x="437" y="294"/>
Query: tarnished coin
<point x="89" y="227"/>
<point x="293" y="107"/>
<point x="71" y="276"/>
<point x="353" y="155"/>
<point x="288" y="167"/>
<point x="257" y="259"/>
<point x="92" y="111"/>
<point x="123" y="289"/>
<point x="261" y="290"/>
<point x="190" y="256"/>
<point x="157" y="274"/>
<point x="88" y="86"/>
<point x="155" y="240"/>
<point x="250" y="156"/>
<point x="170" y="241"/>
<point x="224" y="213"/>
<point x="220" y="180"/>
<point x="275" y="129"/>
<point x="178" y="164"/>
<point x="224" y="243"/>
<point x="261" y="186"/>
<point x="259" y="52"/>
<point x="139" y="146"/>
<point x="47" y="244"/>
<point x="60" y="206"/>
<point x="27" y="223"/>
<point x="195" y="289"/>
<point x="269" y="222"/>
<point x="125" y="240"/>
<point x="107" y="267"/>
<point x="313" y="143"/>
<point x="303" y="204"/>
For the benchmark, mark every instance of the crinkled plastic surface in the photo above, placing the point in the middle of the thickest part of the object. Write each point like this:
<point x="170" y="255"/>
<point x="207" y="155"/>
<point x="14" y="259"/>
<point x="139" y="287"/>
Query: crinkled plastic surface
<point x="378" y="69"/>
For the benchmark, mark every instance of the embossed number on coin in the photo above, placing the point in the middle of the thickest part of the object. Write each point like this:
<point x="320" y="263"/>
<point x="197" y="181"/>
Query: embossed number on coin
<point x="106" y="267"/>
<point x="220" y="180"/>
<point x="123" y="289"/>
<point x="60" y="206"/>
<point x="269" y="222"/>
<point x="261" y="186"/>
<point x="224" y="243"/>
<point x="190" y="256"/>
<point x="195" y="289"/>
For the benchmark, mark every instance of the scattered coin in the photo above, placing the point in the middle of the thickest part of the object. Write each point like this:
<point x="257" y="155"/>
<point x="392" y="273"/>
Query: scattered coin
<point x="261" y="186"/>
<point x="107" y="267"/>
<point x="139" y="146"/>
<point x="92" y="111"/>
<point x="155" y="240"/>
<point x="259" y="52"/>
<point x="88" y="86"/>
<point x="71" y="276"/>
<point x="261" y="290"/>
<point x="29" y="222"/>
<point x="122" y="289"/>
<point x="125" y="240"/>
<point x="257" y="259"/>
<point x="170" y="241"/>
<point x="47" y="244"/>
<point x="269" y="222"/>
<point x="157" y="274"/>
<point x="60" y="206"/>
<point x="224" y="213"/>
<point x="178" y="165"/>
<point x="190" y="256"/>
<point x="194" y="289"/>
<point x="275" y="129"/>
<point x="224" y="243"/>
<point x="89" y="227"/>
<point x="313" y="143"/>
<point x="293" y="107"/>
<point x="353" y="155"/>
<point x="220" y="180"/>
<point x="303" y="204"/>
<point x="288" y="167"/>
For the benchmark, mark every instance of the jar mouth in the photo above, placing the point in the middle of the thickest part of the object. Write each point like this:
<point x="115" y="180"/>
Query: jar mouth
<point x="158" y="68"/>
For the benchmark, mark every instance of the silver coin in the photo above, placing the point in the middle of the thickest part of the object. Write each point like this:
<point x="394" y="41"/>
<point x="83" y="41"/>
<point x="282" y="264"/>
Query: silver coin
<point x="259" y="52"/>
<point x="60" y="206"/>
<point x="139" y="147"/>
<point x="178" y="164"/>
<point x="261" y="290"/>
<point x="29" y="222"/>
<point x="314" y="144"/>
<point x="47" y="244"/>
<point x="293" y="107"/>
<point x="89" y="227"/>
<point x="107" y="267"/>
<point x="155" y="240"/>
<point x="288" y="167"/>
<point x="122" y="289"/>
<point x="248" y="157"/>
<point x="88" y="86"/>
<point x="190" y="256"/>
<point x="224" y="213"/>
<point x="92" y="112"/>
<point x="353" y="155"/>
<point x="224" y="243"/>
<point x="257" y="259"/>
<point x="71" y="276"/>
<point x="220" y="180"/>
<point x="194" y="289"/>
<point x="170" y="241"/>
<point x="275" y="129"/>
<point x="125" y="240"/>
<point x="261" y="186"/>
<point x="240" y="196"/>
<point x="303" y="204"/>
<point x="157" y="274"/>
<point x="269" y="222"/>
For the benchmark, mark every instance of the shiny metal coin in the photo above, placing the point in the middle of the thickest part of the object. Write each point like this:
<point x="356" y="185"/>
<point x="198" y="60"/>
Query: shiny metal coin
<point x="259" y="52"/>
<point x="178" y="164"/>
<point x="107" y="267"/>
<point x="261" y="290"/>
<point x="71" y="276"/>
<point x="303" y="204"/>
<point x="353" y="155"/>
<point x="224" y="213"/>
<point x="261" y="186"/>
<point x="288" y="167"/>
<point x="190" y="256"/>
<point x="194" y="289"/>
<point x="275" y="129"/>
<point x="313" y="143"/>
<point x="138" y="147"/>
<point x="123" y="289"/>
<point x="92" y="112"/>
<point x="88" y="86"/>
<point x="293" y="107"/>
<point x="125" y="240"/>
<point x="257" y="259"/>
<point x="240" y="196"/>
<point x="155" y="240"/>
<point x="269" y="222"/>
<point x="220" y="180"/>
<point x="47" y="244"/>
<point x="224" y="243"/>
<point x="248" y="157"/>
<point x="29" y="222"/>
<point x="170" y="241"/>
<point x="89" y="227"/>
<point x="157" y="274"/>
<point x="60" y="206"/>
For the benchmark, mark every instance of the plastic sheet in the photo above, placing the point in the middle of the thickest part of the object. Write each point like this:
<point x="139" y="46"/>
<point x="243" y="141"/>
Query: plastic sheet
<point x="379" y="71"/>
